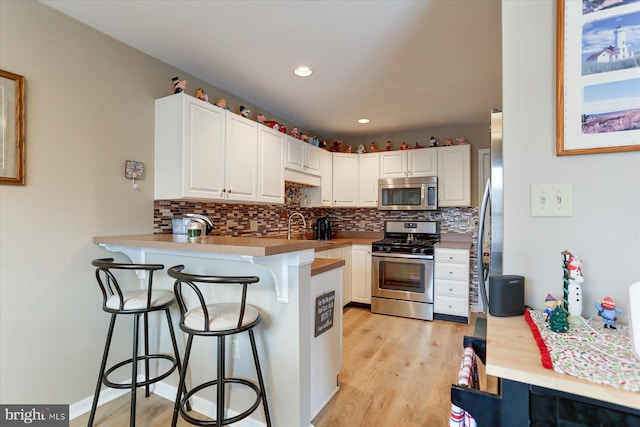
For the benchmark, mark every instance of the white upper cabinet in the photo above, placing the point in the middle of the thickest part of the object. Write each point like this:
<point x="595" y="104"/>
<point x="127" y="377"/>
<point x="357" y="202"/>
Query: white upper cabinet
<point x="422" y="162"/>
<point x="345" y="180"/>
<point x="454" y="176"/>
<point x="189" y="149"/>
<point x="314" y="159"/>
<point x="302" y="162"/>
<point x="203" y="152"/>
<point x="270" y="165"/>
<point x="409" y="163"/>
<point x="241" y="158"/>
<point x="393" y="164"/>
<point x="368" y="165"/>
<point x="326" y="179"/>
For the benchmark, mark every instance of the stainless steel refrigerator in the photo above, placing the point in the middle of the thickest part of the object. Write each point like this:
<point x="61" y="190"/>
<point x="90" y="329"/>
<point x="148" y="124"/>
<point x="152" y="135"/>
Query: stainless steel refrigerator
<point x="491" y="224"/>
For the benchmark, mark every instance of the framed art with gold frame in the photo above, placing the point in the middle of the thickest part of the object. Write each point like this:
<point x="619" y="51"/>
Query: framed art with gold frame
<point x="12" y="149"/>
<point x="597" y="77"/>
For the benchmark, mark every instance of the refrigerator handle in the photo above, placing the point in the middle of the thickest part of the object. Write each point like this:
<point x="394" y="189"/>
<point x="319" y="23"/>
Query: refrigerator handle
<point x="482" y="286"/>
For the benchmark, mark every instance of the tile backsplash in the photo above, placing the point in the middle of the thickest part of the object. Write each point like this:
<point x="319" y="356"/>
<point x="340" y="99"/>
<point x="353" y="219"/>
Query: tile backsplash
<point x="246" y="220"/>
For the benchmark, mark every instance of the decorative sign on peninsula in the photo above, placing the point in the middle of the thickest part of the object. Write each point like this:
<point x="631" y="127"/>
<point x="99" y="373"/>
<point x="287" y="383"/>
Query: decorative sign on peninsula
<point x="325" y="304"/>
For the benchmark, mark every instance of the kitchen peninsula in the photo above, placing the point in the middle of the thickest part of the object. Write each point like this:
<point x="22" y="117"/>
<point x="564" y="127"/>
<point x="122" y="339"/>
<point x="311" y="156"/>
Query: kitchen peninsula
<point x="300" y="369"/>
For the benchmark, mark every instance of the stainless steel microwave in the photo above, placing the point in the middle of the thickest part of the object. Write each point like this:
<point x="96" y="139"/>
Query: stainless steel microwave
<point x="408" y="194"/>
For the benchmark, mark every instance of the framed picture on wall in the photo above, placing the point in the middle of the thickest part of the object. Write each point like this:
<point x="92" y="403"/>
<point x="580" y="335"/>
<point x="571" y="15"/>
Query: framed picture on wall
<point x="12" y="162"/>
<point x="597" y="76"/>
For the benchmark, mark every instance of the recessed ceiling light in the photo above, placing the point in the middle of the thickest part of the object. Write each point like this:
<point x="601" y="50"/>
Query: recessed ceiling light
<point x="303" y="71"/>
<point x="363" y="121"/>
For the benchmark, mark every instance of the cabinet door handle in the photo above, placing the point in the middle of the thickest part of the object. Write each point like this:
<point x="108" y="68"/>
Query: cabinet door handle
<point x="450" y="289"/>
<point x="229" y="191"/>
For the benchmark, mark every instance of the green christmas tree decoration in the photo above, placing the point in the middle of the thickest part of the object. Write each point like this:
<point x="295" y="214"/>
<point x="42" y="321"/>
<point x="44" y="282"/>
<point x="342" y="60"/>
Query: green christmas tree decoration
<point x="558" y="322"/>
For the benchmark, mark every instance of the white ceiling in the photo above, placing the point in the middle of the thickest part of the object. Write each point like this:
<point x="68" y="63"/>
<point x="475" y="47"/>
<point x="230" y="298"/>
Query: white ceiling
<point x="403" y="64"/>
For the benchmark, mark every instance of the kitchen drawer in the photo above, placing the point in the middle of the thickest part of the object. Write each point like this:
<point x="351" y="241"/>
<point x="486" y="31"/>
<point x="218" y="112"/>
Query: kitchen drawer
<point x="451" y="305"/>
<point x="452" y="288"/>
<point x="452" y="271"/>
<point x="457" y="256"/>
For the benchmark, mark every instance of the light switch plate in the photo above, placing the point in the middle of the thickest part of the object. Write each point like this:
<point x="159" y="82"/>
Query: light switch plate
<point x="552" y="200"/>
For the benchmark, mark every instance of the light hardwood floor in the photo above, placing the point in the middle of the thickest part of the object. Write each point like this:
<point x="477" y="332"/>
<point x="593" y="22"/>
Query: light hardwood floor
<point x="396" y="372"/>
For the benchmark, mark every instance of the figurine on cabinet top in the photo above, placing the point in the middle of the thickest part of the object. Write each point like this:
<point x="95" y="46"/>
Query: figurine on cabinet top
<point x="349" y="149"/>
<point x="335" y="147"/>
<point x="448" y="142"/>
<point x="388" y="146"/>
<point x="374" y="148"/>
<point x="418" y="146"/>
<point x="260" y="118"/>
<point x="201" y="95"/>
<point x="361" y="149"/>
<point x="304" y="137"/>
<point x="276" y="126"/>
<point x="179" y="85"/>
<point x="244" y="111"/>
<point x="404" y="146"/>
<point x="295" y="132"/>
<point x="222" y="103"/>
<point x="433" y="142"/>
<point x="461" y="141"/>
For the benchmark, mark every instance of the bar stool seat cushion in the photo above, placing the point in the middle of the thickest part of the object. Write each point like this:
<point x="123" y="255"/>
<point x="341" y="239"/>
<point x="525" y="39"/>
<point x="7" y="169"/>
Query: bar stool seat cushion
<point x="136" y="300"/>
<point x="222" y="317"/>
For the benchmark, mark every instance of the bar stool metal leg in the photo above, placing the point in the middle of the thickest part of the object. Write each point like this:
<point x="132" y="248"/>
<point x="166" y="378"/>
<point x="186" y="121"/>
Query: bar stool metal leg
<point x="181" y="384"/>
<point x="146" y="354"/>
<point x="220" y="387"/>
<point x="103" y="366"/>
<point x="134" y="371"/>
<point x="174" y="342"/>
<point x="254" y="349"/>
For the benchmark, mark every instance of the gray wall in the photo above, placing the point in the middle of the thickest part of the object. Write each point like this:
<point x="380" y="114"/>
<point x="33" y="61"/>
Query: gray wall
<point x="604" y="229"/>
<point x="89" y="107"/>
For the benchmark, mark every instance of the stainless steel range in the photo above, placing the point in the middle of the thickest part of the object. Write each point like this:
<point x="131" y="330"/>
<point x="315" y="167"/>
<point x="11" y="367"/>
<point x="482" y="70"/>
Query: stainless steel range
<point x="402" y="269"/>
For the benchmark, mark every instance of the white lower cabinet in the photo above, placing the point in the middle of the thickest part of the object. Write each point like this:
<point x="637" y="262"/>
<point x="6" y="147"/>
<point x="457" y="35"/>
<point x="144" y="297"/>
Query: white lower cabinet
<point x="451" y="291"/>
<point x="361" y="274"/>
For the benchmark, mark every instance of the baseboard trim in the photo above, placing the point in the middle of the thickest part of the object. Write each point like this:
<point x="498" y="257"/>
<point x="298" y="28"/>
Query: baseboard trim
<point x="164" y="390"/>
<point x="84" y="406"/>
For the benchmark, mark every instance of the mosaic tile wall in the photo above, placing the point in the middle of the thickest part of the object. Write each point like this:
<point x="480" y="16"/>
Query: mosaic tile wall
<point x="232" y="219"/>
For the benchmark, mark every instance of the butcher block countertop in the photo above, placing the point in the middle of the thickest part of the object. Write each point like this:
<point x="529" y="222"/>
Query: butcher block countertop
<point x="512" y="354"/>
<point x="321" y="265"/>
<point x="252" y="246"/>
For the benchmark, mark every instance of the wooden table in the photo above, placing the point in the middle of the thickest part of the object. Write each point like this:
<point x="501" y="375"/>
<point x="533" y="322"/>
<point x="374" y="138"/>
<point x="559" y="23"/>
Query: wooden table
<point x="529" y="392"/>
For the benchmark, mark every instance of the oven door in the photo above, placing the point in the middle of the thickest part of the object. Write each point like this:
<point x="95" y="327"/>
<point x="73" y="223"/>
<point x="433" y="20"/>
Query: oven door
<point x="402" y="277"/>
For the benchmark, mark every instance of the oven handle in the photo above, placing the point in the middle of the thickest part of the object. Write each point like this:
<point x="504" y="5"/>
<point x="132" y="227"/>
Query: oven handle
<point x="392" y="255"/>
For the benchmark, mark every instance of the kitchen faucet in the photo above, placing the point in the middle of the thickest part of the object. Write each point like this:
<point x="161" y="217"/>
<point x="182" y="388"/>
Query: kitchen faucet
<point x="289" y="224"/>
